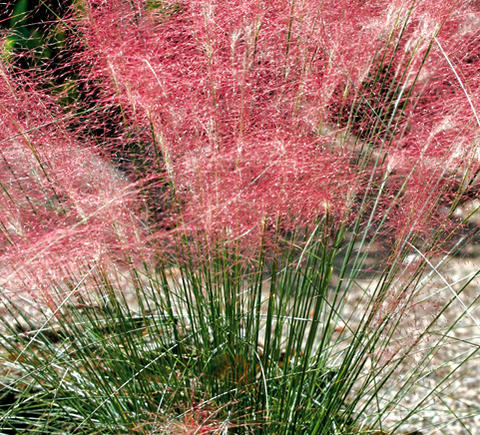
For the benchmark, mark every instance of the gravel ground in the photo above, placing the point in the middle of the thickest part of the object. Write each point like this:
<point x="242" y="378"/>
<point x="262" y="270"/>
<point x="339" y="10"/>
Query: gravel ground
<point x="455" y="408"/>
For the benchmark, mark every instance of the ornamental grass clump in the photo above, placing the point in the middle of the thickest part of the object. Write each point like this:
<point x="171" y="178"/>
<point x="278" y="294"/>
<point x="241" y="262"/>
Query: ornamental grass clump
<point x="233" y="217"/>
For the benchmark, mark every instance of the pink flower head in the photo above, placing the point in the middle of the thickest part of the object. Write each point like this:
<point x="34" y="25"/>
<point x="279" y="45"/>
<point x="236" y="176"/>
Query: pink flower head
<point x="258" y="110"/>
<point x="62" y="206"/>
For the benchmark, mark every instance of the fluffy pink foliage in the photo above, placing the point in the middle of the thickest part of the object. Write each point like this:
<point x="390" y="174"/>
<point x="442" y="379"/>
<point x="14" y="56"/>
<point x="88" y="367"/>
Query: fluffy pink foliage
<point x="61" y="206"/>
<point x="242" y="98"/>
<point x="254" y="114"/>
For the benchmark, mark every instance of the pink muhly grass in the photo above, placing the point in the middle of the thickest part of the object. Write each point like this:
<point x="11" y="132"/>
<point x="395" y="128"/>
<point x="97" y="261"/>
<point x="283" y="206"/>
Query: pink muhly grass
<point x="61" y="206"/>
<point x="237" y="125"/>
<point x="242" y="101"/>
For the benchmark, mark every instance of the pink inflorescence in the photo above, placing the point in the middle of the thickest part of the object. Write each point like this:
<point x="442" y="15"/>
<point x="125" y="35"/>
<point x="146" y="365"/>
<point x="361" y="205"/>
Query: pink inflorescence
<point x="62" y="207"/>
<point x="245" y="102"/>
<point x="230" y="119"/>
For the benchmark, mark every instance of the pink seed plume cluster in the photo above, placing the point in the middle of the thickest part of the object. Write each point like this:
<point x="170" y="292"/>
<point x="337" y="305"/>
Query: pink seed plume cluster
<point x="61" y="206"/>
<point x="248" y="103"/>
<point x="239" y="117"/>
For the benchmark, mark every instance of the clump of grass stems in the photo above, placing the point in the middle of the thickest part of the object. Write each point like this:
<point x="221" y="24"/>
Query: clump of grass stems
<point x="262" y="347"/>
